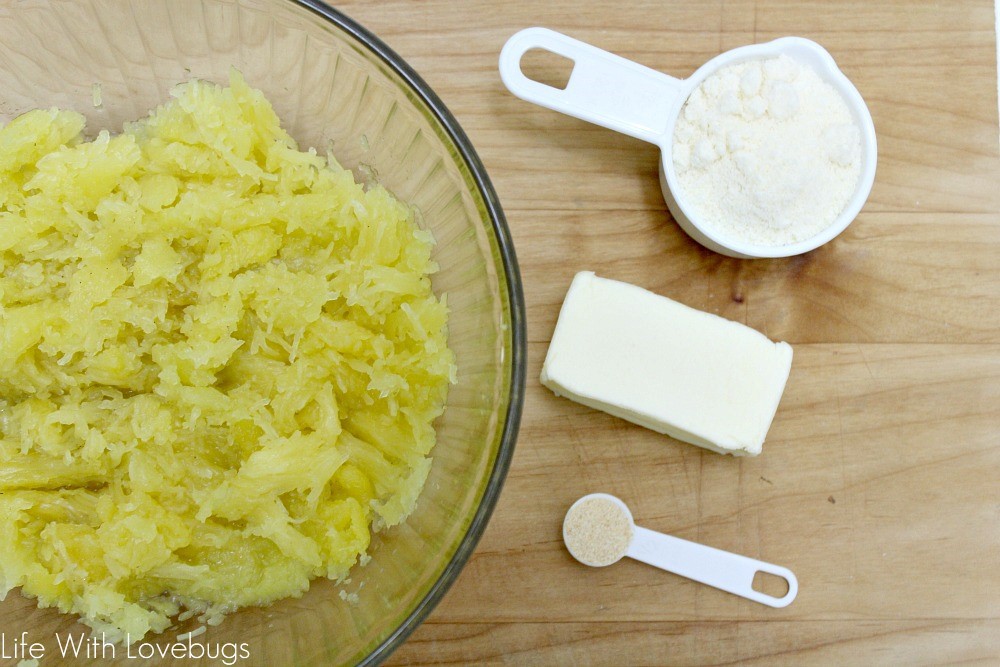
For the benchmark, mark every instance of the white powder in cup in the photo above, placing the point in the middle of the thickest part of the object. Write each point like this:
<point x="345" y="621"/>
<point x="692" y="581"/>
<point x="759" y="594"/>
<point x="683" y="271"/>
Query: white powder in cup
<point x="766" y="152"/>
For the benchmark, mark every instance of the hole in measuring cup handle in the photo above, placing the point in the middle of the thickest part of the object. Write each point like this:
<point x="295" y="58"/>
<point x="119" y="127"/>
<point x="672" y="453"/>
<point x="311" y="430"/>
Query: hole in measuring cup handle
<point x="768" y="577"/>
<point x="547" y="67"/>
<point x="771" y="584"/>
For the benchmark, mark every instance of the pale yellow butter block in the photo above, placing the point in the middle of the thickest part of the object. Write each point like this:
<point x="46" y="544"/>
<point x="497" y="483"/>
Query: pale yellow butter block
<point x="688" y="374"/>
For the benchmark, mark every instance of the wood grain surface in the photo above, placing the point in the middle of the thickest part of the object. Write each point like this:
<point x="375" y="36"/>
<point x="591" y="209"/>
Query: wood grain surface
<point x="878" y="483"/>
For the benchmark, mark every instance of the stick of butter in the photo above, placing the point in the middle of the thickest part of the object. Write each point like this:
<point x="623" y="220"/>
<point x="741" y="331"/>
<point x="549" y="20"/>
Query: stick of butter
<point x="692" y="375"/>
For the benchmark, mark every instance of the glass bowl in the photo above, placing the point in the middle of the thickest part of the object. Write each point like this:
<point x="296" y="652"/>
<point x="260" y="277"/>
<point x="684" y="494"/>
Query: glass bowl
<point x="334" y="85"/>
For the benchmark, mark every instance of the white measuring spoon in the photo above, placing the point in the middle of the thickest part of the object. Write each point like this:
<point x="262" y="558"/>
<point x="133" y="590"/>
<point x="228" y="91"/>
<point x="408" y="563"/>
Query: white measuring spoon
<point x="721" y="569"/>
<point x="621" y="95"/>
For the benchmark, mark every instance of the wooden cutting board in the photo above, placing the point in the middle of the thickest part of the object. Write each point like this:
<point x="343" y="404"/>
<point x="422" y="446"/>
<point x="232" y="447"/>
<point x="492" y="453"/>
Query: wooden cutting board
<point x="878" y="484"/>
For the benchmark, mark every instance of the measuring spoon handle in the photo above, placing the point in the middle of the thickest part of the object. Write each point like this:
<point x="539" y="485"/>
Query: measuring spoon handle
<point x="721" y="569"/>
<point x="603" y="88"/>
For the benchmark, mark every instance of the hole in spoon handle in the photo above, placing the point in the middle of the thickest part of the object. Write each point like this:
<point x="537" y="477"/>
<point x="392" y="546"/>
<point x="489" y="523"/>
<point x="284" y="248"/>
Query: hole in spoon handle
<point x="726" y="571"/>
<point x="603" y="88"/>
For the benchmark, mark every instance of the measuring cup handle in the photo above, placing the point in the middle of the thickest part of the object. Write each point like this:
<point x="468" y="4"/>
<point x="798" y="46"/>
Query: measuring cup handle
<point x="723" y="570"/>
<point x="603" y="88"/>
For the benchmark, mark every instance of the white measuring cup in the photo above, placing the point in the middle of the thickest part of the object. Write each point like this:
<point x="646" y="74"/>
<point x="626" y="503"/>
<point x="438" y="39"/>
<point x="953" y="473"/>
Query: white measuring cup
<point x="622" y="95"/>
<point x="721" y="569"/>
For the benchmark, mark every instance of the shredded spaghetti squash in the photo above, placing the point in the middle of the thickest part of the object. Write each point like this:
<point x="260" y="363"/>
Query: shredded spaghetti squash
<point x="220" y="361"/>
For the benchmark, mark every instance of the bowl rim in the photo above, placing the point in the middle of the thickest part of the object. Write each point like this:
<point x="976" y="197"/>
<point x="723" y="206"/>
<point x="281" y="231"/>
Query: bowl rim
<point x="515" y="295"/>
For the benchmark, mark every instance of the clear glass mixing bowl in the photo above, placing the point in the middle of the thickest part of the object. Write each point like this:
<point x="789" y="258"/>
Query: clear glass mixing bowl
<point x="334" y="85"/>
